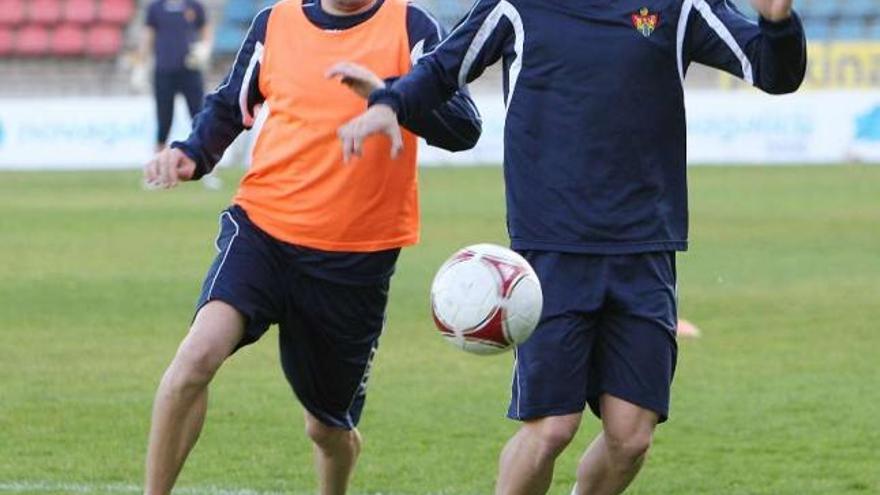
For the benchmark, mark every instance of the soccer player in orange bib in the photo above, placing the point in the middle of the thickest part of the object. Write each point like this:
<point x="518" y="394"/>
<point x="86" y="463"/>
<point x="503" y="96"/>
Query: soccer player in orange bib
<point x="310" y="243"/>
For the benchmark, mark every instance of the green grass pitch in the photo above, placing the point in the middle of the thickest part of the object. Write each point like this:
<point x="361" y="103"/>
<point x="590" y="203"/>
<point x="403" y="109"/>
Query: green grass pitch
<point x="780" y="396"/>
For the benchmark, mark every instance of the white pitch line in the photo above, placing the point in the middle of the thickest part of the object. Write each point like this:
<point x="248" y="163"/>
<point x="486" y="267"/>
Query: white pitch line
<point x="36" y="486"/>
<point x="119" y="488"/>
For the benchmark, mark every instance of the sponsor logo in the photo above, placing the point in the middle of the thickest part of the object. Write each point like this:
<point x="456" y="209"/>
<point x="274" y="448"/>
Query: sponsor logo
<point x="645" y="22"/>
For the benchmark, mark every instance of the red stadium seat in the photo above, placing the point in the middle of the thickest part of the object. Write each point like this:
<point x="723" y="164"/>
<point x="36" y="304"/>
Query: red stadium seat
<point x="68" y="40"/>
<point x="32" y="41"/>
<point x="80" y="11"/>
<point x="46" y="12"/>
<point x="6" y="41"/>
<point x="116" y="11"/>
<point x="104" y="41"/>
<point x="11" y="12"/>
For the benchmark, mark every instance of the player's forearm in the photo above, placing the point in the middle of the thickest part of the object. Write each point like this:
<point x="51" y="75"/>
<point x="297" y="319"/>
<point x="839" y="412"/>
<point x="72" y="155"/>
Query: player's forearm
<point x="455" y="125"/>
<point x="781" y="55"/>
<point x="418" y="93"/>
<point x="214" y="130"/>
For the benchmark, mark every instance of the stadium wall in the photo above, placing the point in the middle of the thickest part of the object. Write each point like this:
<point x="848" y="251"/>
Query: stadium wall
<point x="724" y="127"/>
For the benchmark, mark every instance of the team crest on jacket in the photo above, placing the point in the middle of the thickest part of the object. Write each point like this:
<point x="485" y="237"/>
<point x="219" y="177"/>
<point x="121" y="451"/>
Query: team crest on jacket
<point x="645" y="22"/>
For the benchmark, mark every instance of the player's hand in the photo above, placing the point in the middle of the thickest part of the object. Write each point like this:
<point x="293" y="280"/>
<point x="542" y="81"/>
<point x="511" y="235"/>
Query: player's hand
<point x="773" y="10"/>
<point x="168" y="168"/>
<point x="379" y="119"/>
<point x="357" y="77"/>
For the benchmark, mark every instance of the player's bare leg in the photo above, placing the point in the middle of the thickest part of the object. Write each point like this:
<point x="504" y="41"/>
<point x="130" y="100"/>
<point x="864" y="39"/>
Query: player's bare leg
<point x="336" y="453"/>
<point x="527" y="461"/>
<point x="616" y="455"/>
<point x="182" y="398"/>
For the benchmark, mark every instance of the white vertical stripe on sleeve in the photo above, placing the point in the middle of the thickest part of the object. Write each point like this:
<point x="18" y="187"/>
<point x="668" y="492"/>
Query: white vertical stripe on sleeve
<point x="418" y="51"/>
<point x="228" y="79"/>
<point x="504" y="9"/>
<point x="459" y="26"/>
<point x="686" y="7"/>
<point x="721" y="30"/>
<point x="247" y="114"/>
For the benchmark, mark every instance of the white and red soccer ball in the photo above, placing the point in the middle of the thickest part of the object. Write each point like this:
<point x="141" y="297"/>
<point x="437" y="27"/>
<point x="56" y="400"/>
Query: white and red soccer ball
<point x="486" y="299"/>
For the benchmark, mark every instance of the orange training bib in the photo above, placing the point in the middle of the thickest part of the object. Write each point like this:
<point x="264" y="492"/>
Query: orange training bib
<point x="298" y="189"/>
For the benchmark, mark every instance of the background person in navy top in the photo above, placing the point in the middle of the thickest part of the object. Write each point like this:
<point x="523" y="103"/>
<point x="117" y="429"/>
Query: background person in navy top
<point x="178" y="36"/>
<point x="595" y="172"/>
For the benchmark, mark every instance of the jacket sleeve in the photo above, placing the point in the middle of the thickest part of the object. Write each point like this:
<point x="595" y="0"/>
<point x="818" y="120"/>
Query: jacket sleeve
<point x="455" y="125"/>
<point x="232" y="107"/>
<point x="769" y="55"/>
<point x="484" y="36"/>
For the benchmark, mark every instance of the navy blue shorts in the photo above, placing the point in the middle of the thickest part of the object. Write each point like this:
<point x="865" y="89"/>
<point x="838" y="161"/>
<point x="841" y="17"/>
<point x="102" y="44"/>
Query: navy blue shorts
<point x="328" y="329"/>
<point x="608" y="327"/>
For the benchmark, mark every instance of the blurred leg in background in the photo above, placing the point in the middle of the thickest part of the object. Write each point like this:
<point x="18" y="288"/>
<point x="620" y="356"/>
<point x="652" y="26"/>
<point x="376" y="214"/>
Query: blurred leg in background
<point x="164" y="89"/>
<point x="193" y="88"/>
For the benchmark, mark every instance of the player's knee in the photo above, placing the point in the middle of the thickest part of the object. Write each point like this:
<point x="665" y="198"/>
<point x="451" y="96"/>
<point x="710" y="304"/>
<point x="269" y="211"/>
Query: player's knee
<point x="553" y="434"/>
<point x="329" y="438"/>
<point x="628" y="447"/>
<point x="193" y="367"/>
